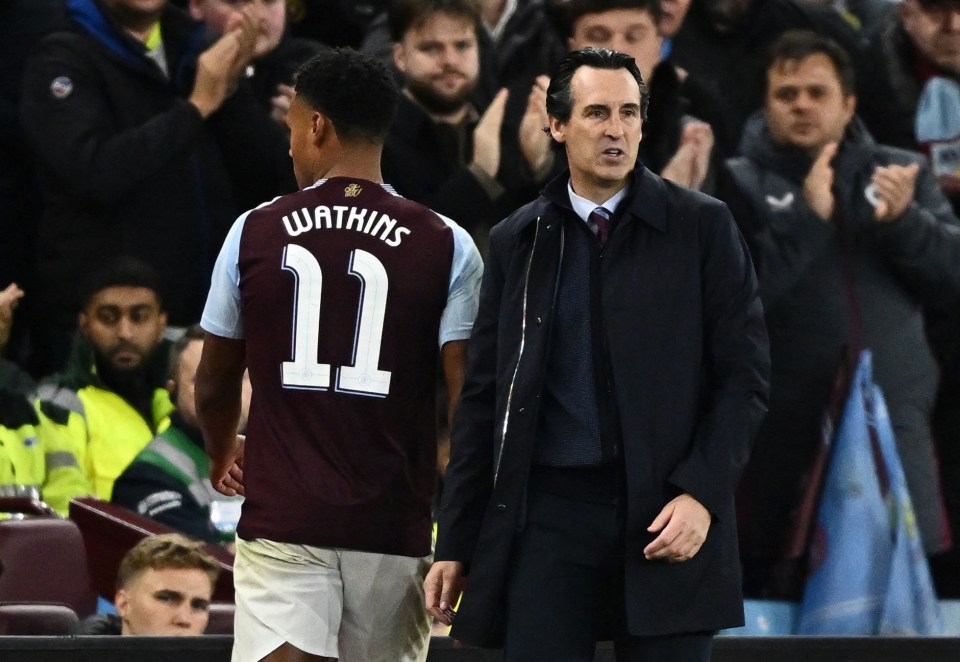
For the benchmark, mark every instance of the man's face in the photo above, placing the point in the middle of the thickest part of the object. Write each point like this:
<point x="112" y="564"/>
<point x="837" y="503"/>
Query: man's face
<point x="270" y="16"/>
<point x="303" y="122"/>
<point x="184" y="382"/>
<point x="805" y="104"/>
<point x="124" y="324"/>
<point x="935" y="31"/>
<point x="166" y="602"/>
<point x="602" y="136"/>
<point x="674" y="11"/>
<point x="439" y="61"/>
<point x="630" y="31"/>
<point x="136" y="14"/>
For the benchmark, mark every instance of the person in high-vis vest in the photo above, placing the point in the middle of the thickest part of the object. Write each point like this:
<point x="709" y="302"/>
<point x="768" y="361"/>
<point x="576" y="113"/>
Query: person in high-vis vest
<point x="22" y="464"/>
<point x="111" y="400"/>
<point x="169" y="480"/>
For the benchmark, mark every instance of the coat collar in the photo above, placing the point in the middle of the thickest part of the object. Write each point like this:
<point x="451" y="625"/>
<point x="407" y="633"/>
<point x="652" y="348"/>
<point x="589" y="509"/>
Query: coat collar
<point x="645" y="202"/>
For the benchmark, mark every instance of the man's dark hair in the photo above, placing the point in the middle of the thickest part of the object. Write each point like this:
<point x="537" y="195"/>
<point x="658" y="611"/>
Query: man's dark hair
<point x="193" y="333"/>
<point x="353" y="90"/>
<point x="125" y="271"/>
<point x="404" y="15"/>
<point x="574" y="10"/>
<point x="797" y="45"/>
<point x="560" y="95"/>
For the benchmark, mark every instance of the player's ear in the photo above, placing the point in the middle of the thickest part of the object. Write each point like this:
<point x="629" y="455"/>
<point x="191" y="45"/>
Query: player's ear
<point x="321" y="125"/>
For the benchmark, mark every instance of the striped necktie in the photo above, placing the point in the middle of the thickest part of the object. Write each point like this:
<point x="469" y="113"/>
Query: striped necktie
<point x="600" y="223"/>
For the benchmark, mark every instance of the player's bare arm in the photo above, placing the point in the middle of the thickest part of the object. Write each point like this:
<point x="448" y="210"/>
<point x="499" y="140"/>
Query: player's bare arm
<point x="218" y="388"/>
<point x="454" y="355"/>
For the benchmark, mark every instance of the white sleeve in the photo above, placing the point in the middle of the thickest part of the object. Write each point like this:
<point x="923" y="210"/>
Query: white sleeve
<point x="222" y="315"/>
<point x="463" y="296"/>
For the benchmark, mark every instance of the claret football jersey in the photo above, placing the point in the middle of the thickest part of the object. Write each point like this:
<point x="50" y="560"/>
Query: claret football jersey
<point x="344" y="293"/>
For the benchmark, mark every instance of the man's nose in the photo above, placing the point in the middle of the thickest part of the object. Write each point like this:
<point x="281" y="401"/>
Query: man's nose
<point x="125" y="327"/>
<point x="802" y="101"/>
<point x="952" y="19"/>
<point x="448" y="56"/>
<point x="614" y="127"/>
<point x="618" y="43"/>
<point x="181" y="616"/>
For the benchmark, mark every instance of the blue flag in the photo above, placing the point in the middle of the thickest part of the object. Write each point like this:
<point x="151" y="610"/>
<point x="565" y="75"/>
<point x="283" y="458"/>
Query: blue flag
<point x="868" y="573"/>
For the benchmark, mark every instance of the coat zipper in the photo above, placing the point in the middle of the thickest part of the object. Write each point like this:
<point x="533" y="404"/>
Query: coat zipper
<point x="523" y="342"/>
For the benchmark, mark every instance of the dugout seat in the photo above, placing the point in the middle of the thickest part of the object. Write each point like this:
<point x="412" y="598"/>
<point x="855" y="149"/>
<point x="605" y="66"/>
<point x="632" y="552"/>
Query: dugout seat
<point x="221" y="618"/>
<point x="37" y="619"/>
<point x="109" y="531"/>
<point x="45" y="561"/>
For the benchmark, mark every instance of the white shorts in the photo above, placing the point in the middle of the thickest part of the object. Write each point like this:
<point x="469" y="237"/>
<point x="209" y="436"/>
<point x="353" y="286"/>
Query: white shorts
<point x="343" y="604"/>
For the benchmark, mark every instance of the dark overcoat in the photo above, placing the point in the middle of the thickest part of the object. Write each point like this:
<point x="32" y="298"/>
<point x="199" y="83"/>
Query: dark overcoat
<point x="690" y="363"/>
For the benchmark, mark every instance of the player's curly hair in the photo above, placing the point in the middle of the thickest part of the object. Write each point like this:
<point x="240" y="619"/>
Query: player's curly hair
<point x="353" y="90"/>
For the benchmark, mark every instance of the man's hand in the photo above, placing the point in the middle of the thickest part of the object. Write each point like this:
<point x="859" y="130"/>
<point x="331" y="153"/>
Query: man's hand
<point x="280" y="103"/>
<point x="486" y="136"/>
<point x="817" y="187"/>
<point x="688" y="166"/>
<point x="442" y="588"/>
<point x="9" y="298"/>
<point x="683" y="525"/>
<point x="219" y="67"/>
<point x="895" y="188"/>
<point x="534" y="141"/>
<point x="227" y="475"/>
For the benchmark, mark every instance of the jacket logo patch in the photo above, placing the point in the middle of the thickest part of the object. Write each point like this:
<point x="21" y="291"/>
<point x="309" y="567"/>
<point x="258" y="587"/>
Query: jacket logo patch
<point x="352" y="191"/>
<point x="61" y="87"/>
<point x="780" y="204"/>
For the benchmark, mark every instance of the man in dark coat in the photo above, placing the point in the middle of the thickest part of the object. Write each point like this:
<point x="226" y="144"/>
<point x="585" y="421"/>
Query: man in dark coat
<point x="136" y="134"/>
<point x="850" y="240"/>
<point x="617" y="373"/>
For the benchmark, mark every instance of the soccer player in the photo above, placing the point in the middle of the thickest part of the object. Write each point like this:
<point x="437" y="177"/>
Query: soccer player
<point x="335" y="297"/>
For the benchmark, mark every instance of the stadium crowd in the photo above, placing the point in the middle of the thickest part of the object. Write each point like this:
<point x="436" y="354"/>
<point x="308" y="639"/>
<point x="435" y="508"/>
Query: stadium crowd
<point x="135" y="132"/>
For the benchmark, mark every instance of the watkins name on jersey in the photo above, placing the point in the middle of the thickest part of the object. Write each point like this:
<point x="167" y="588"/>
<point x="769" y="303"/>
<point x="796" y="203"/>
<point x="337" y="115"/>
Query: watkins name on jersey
<point x="342" y="217"/>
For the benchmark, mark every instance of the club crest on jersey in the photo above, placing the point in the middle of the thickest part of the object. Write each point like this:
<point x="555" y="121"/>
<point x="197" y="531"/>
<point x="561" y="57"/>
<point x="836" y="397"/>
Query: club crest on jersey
<point x="61" y="87"/>
<point x="352" y="190"/>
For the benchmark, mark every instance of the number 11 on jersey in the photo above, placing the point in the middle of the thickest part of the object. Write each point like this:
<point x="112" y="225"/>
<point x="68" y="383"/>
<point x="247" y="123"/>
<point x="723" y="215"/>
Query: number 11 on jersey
<point x="305" y="371"/>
